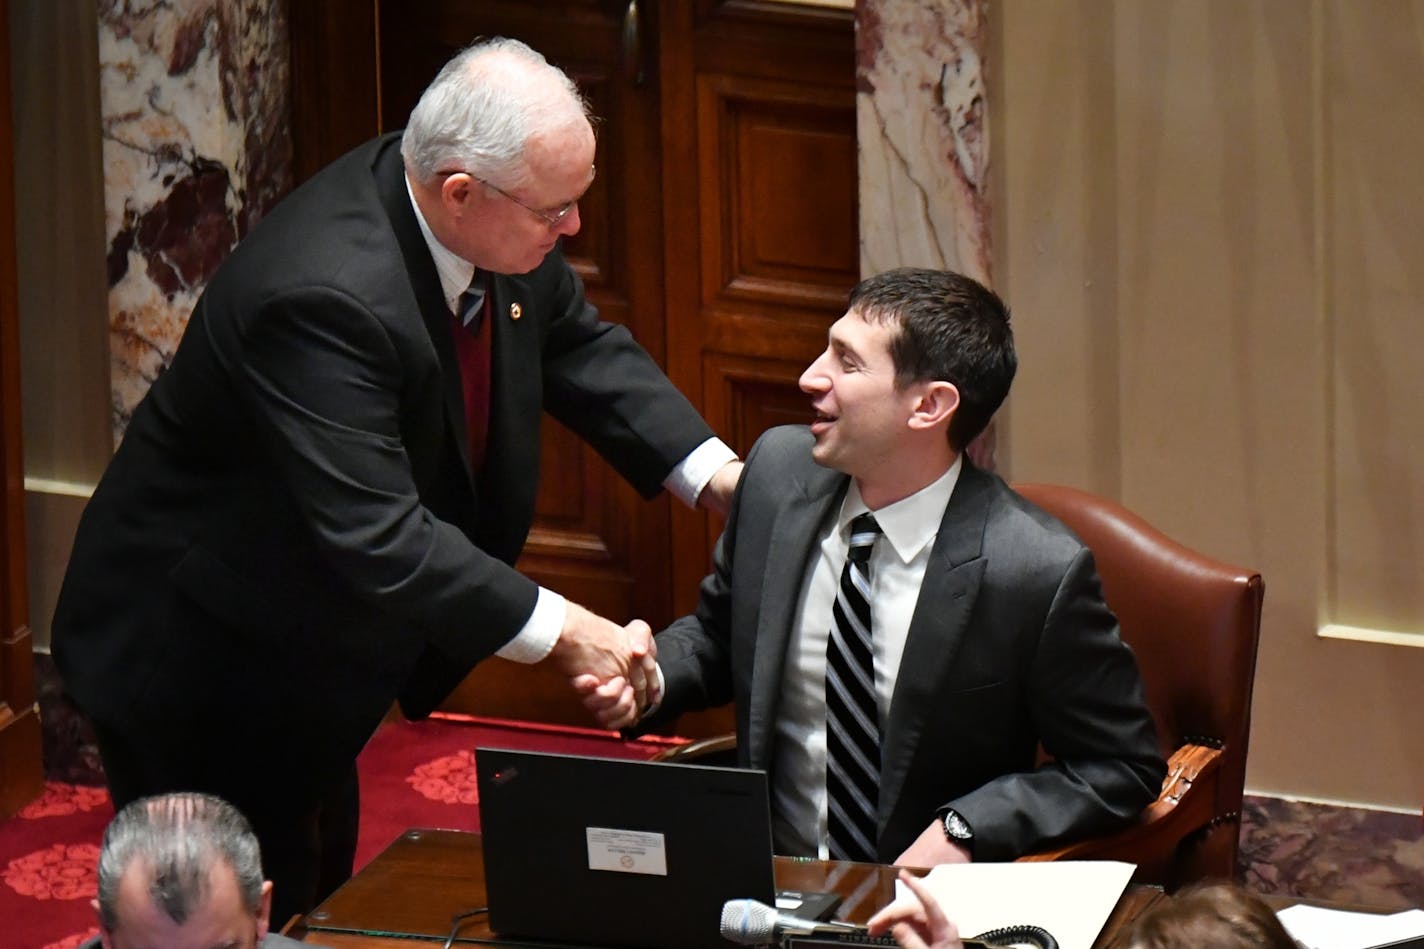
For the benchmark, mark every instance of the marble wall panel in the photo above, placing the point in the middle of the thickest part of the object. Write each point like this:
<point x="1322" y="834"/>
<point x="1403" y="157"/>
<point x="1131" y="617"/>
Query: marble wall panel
<point x="197" y="147"/>
<point x="922" y="123"/>
<point x="922" y="127"/>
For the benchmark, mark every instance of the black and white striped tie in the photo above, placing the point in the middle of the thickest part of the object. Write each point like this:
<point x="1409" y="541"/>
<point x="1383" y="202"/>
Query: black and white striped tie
<point x="852" y="720"/>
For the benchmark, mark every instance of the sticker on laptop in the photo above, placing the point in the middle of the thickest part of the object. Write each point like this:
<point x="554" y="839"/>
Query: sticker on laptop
<point x="626" y="851"/>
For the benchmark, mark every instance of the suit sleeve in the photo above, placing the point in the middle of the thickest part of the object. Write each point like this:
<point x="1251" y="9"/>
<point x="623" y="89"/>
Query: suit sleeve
<point x="599" y="382"/>
<point x="324" y="380"/>
<point x="1086" y="701"/>
<point x="695" y="652"/>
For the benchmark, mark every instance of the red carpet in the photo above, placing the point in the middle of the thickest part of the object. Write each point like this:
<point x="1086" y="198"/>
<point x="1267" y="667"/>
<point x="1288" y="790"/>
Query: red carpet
<point x="413" y="774"/>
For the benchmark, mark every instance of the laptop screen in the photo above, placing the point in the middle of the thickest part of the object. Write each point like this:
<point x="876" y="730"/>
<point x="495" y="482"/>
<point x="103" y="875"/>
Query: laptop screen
<point x="614" y="852"/>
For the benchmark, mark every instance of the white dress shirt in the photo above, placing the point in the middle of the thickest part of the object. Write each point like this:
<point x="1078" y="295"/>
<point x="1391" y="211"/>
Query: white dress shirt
<point x="897" y="567"/>
<point x="688" y="478"/>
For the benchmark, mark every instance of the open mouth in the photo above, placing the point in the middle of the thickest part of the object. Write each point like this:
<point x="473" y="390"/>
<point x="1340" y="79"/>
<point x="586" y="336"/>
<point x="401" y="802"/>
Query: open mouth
<point x="822" y="423"/>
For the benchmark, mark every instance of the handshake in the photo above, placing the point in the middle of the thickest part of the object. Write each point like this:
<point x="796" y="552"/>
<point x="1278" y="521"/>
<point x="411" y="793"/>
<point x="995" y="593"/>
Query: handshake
<point x="614" y="668"/>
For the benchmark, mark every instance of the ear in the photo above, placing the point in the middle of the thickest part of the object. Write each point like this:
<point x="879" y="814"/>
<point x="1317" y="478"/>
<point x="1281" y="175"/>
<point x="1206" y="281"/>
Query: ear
<point x="457" y="191"/>
<point x="264" y="910"/>
<point x="936" y="405"/>
<point x="105" y="938"/>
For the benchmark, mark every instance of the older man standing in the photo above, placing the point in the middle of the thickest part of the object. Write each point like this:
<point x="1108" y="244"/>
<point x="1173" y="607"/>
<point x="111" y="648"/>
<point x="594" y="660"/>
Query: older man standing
<point x="316" y="509"/>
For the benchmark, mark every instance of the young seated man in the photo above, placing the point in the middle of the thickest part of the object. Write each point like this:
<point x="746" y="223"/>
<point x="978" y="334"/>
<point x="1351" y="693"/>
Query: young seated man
<point x="898" y="629"/>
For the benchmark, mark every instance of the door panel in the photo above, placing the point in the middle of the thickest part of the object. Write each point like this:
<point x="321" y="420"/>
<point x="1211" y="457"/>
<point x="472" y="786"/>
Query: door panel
<point x="778" y="196"/>
<point x="769" y="90"/>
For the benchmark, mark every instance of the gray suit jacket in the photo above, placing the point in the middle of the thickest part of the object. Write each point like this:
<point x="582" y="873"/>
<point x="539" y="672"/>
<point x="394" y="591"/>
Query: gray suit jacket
<point x="1010" y="646"/>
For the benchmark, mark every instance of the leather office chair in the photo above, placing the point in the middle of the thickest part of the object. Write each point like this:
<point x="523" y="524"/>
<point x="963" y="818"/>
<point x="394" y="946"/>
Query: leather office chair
<point x="1193" y="624"/>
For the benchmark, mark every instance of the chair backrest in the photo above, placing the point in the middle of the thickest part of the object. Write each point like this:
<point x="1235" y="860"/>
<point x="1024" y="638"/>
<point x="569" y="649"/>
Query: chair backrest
<point x="1193" y="623"/>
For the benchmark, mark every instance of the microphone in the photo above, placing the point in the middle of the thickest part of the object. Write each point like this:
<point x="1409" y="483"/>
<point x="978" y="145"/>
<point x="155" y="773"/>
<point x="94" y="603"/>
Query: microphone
<point x="752" y="923"/>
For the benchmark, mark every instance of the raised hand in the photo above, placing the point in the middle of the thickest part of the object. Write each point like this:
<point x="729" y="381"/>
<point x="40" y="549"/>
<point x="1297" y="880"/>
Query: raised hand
<point x="590" y="644"/>
<point x="918" y="923"/>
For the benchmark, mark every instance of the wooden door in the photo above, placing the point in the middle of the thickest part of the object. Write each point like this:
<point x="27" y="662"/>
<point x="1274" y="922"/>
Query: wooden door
<point x="761" y="224"/>
<point x="21" y="768"/>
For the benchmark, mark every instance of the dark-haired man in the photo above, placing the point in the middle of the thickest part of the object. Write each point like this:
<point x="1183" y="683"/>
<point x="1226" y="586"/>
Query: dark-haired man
<point x="895" y="675"/>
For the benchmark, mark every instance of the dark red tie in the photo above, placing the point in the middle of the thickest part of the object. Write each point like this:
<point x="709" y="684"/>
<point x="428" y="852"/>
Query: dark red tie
<point x="472" y="349"/>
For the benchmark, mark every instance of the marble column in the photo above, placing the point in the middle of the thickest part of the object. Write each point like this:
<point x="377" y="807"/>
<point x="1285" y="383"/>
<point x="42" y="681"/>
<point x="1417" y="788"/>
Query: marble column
<point x="923" y="132"/>
<point x="197" y="147"/>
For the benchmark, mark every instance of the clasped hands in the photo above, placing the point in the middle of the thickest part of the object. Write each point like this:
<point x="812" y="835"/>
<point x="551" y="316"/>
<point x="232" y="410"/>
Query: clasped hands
<point x="614" y="668"/>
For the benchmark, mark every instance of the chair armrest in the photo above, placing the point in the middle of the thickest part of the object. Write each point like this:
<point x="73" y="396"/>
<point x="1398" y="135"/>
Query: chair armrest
<point x="1186" y="804"/>
<point x="693" y="751"/>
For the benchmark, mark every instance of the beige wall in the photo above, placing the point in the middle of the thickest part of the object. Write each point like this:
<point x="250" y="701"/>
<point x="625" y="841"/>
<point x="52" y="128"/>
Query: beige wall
<point x="63" y="293"/>
<point x="1210" y="225"/>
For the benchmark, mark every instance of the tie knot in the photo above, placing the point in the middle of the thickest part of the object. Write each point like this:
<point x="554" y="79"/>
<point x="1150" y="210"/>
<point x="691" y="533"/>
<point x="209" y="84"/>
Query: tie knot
<point x="863" y="532"/>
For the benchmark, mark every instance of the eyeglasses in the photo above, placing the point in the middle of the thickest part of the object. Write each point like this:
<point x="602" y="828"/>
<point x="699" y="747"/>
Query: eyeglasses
<point x="553" y="216"/>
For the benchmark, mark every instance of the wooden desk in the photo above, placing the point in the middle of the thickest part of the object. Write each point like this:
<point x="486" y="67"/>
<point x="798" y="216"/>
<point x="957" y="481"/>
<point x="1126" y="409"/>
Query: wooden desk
<point x="417" y="885"/>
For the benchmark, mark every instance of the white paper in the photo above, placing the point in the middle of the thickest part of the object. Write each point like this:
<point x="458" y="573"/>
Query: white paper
<point x="1071" y="899"/>
<point x="1318" y="928"/>
<point x="626" y="851"/>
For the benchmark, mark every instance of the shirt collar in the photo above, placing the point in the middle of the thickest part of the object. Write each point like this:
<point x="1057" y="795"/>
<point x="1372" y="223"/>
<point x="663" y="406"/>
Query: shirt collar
<point x="910" y="523"/>
<point x="455" y="271"/>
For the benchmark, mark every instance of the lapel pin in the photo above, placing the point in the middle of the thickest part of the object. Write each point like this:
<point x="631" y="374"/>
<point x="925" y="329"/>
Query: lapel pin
<point x="515" y="311"/>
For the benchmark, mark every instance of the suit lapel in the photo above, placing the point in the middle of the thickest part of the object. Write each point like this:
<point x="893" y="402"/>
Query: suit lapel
<point x="389" y="171"/>
<point x="794" y="541"/>
<point x="937" y="628"/>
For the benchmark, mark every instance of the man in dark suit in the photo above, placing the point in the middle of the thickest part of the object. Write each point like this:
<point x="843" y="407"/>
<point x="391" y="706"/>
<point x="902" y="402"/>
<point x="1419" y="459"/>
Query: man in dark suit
<point x="316" y="509"/>
<point x="898" y="697"/>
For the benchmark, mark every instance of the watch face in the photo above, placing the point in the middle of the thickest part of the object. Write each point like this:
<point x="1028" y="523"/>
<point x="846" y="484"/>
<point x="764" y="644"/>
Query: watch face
<point x="956" y="827"/>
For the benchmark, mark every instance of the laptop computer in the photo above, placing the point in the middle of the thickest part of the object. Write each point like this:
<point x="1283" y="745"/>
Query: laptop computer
<point x="618" y="852"/>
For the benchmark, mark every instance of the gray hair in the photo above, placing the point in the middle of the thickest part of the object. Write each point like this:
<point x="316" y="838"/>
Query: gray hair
<point x="178" y="838"/>
<point x="484" y="107"/>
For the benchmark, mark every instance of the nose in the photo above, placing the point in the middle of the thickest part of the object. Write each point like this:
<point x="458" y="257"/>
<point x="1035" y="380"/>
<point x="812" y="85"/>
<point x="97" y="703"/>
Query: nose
<point x="570" y="225"/>
<point x="814" y="380"/>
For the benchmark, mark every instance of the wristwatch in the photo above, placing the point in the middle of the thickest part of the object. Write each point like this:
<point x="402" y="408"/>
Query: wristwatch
<point x="957" y="829"/>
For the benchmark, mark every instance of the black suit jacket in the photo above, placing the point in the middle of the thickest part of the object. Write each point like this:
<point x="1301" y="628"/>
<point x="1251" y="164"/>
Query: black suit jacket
<point x="289" y="536"/>
<point x="1010" y="645"/>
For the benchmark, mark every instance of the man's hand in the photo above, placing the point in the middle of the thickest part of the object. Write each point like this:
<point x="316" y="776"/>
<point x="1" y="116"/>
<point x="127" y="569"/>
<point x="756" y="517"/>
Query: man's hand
<point x="620" y="700"/>
<point x="716" y="495"/>
<point x="588" y="643"/>
<point x="918" y="923"/>
<point x="932" y="848"/>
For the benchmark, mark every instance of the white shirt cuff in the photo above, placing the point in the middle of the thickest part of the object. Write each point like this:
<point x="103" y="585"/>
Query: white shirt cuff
<point x="536" y="640"/>
<point x="693" y="472"/>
